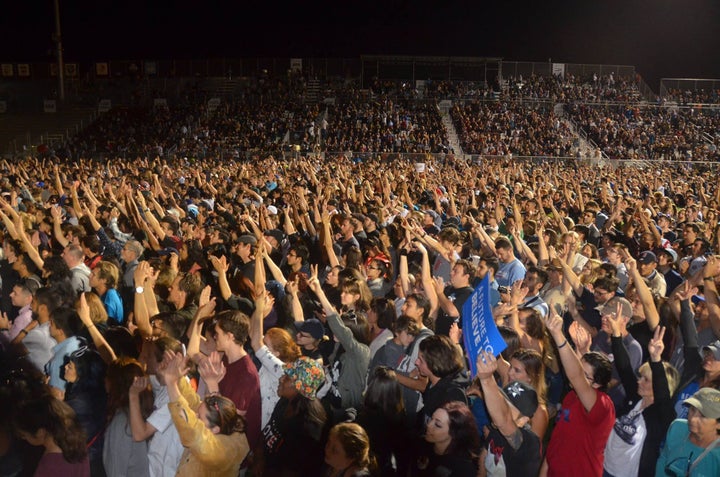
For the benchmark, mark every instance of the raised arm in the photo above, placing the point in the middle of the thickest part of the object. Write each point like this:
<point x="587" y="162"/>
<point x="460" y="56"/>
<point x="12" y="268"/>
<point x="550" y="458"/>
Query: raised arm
<point x="643" y="292"/>
<point x="103" y="347"/>
<point x="497" y="405"/>
<point x="206" y="307"/>
<point x="571" y="363"/>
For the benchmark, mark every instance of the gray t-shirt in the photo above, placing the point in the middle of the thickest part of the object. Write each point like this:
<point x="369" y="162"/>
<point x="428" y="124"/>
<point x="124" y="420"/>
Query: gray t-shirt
<point x="122" y="456"/>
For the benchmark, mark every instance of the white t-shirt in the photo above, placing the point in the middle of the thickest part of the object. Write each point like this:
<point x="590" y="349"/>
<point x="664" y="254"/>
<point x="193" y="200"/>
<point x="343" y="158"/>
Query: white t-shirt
<point x="164" y="447"/>
<point x="270" y="374"/>
<point x="624" y="446"/>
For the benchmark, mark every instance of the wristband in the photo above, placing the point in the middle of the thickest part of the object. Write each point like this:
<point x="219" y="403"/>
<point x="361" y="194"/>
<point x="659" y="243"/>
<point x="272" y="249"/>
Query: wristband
<point x="709" y="279"/>
<point x="23" y="331"/>
<point x="403" y="252"/>
<point x="563" y="345"/>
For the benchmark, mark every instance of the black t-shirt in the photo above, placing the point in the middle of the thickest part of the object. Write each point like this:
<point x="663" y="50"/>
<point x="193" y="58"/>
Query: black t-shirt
<point x="292" y="447"/>
<point x="502" y="459"/>
<point x="458" y="296"/>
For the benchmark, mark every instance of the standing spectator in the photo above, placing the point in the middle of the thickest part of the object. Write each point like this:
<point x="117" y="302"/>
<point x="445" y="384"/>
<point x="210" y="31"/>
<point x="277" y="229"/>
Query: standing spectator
<point x="454" y="438"/>
<point x="691" y="445"/>
<point x="209" y="429"/>
<point x="511" y="269"/>
<point x="441" y="361"/>
<point x="35" y="337"/>
<point x="587" y="415"/>
<point x="294" y="433"/>
<point x="123" y="455"/>
<point x="241" y="382"/>
<point x="453" y="297"/>
<point x="51" y="423"/>
<point x="164" y="446"/>
<point x="348" y="451"/>
<point x="73" y="256"/>
<point x="22" y="297"/>
<point x="64" y="326"/>
<point x="104" y="279"/>
<point x="513" y="449"/>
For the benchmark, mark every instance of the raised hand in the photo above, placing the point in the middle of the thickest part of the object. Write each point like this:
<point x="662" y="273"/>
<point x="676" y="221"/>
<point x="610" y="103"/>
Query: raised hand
<point x="486" y="365"/>
<point x="206" y="305"/>
<point x="140" y="384"/>
<point x="211" y="368"/>
<point x="554" y="325"/>
<point x="580" y="337"/>
<point x="656" y="345"/>
<point x="686" y="292"/>
<point x="173" y="367"/>
<point x="219" y="264"/>
<point x="615" y="320"/>
<point x="313" y="281"/>
<point x="84" y="311"/>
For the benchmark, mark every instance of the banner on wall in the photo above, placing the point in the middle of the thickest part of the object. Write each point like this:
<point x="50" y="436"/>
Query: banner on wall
<point x="101" y="69"/>
<point x="50" y="106"/>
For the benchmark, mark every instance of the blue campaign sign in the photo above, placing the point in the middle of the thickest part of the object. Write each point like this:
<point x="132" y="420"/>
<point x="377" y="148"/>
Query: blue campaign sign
<point x="479" y="330"/>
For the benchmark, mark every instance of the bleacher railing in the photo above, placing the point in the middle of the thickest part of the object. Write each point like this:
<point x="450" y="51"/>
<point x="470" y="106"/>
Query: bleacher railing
<point x="669" y="86"/>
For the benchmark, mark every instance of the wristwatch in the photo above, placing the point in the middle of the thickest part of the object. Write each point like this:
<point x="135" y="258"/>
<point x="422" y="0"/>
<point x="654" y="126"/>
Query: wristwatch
<point x="139" y="289"/>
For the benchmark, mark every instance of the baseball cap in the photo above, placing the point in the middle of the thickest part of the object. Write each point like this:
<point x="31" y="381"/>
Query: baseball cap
<point x="672" y="253"/>
<point x="647" y="257"/>
<point x="714" y="348"/>
<point x="307" y="376"/>
<point x="247" y="239"/>
<point x="276" y="234"/>
<point x="707" y="401"/>
<point x="313" y="327"/>
<point x="522" y="396"/>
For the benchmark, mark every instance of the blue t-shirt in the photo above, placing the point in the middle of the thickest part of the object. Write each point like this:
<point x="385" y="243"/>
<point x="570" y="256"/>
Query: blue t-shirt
<point x="509" y="273"/>
<point x="113" y="305"/>
<point x="679" y="454"/>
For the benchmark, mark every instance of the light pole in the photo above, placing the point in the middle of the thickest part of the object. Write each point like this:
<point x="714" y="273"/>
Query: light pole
<point x="58" y="40"/>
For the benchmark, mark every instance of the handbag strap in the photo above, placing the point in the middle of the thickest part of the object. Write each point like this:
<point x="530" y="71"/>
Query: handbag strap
<point x="702" y="456"/>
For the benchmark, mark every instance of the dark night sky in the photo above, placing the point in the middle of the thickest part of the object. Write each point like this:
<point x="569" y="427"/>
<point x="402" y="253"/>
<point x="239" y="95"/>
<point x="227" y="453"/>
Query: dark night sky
<point x="662" y="38"/>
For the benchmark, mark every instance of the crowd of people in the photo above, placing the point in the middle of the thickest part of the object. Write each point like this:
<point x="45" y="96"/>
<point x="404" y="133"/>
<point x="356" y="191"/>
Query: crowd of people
<point x="650" y="132"/>
<point x="500" y="128"/>
<point x="519" y="116"/>
<point x="305" y="317"/>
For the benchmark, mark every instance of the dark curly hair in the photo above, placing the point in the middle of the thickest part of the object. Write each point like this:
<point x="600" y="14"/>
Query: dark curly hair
<point x="57" y="419"/>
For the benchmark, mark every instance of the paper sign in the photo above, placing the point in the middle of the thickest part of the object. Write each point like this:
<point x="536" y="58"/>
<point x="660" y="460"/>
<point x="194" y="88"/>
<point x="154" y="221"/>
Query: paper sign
<point x="479" y="330"/>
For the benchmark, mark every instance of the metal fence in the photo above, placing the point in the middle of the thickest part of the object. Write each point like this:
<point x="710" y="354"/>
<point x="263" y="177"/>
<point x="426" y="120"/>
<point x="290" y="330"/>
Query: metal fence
<point x="710" y="87"/>
<point x="581" y="70"/>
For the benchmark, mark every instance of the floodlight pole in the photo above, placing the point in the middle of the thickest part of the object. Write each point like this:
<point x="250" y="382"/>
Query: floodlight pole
<point x="58" y="41"/>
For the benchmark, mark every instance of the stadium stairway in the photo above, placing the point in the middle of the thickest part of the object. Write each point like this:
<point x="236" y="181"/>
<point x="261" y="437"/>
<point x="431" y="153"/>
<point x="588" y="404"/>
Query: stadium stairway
<point x="313" y="91"/>
<point x="453" y="139"/>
